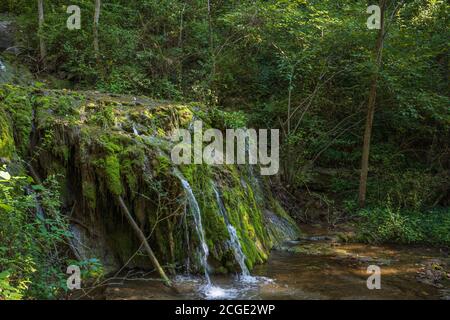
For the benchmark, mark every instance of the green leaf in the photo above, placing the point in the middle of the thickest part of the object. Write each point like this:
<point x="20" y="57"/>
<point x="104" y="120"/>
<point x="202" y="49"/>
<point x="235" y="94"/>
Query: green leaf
<point x="6" y="207"/>
<point x="4" y="175"/>
<point x="37" y="187"/>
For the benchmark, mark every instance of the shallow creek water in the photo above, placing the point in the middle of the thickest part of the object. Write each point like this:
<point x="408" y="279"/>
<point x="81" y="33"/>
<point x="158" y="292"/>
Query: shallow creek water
<point x="314" y="268"/>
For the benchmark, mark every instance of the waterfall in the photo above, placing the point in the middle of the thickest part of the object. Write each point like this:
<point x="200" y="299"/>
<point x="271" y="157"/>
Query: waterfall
<point x="135" y="131"/>
<point x="237" y="248"/>
<point x="195" y="209"/>
<point x="210" y="291"/>
<point x="234" y="239"/>
<point x="2" y="66"/>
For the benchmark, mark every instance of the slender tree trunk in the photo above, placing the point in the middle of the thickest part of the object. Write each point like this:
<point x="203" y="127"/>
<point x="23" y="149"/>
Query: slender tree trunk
<point x="142" y="237"/>
<point x="371" y="111"/>
<point x="180" y="46"/>
<point x="42" y="47"/>
<point x="96" y="21"/>
<point x="211" y="43"/>
<point x="288" y="164"/>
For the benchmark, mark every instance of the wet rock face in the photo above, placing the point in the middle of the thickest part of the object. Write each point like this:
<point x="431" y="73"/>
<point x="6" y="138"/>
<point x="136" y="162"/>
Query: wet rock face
<point x="107" y="146"/>
<point x="6" y="35"/>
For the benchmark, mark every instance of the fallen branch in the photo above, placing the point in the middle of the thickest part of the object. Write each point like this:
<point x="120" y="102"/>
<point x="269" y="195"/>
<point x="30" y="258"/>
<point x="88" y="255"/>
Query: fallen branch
<point x="142" y="237"/>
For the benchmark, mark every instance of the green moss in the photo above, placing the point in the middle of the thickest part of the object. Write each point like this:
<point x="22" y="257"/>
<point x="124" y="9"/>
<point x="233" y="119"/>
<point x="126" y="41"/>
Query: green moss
<point x="6" y="138"/>
<point x="112" y="171"/>
<point x="246" y="216"/>
<point x="161" y="165"/>
<point x="128" y="171"/>
<point x="111" y="143"/>
<point x="90" y="194"/>
<point x="55" y="104"/>
<point x="103" y="116"/>
<point x="132" y="160"/>
<point x="17" y="102"/>
<point x="185" y="115"/>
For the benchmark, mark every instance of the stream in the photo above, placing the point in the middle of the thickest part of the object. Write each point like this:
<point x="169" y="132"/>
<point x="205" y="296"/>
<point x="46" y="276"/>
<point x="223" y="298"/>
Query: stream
<point x="314" y="268"/>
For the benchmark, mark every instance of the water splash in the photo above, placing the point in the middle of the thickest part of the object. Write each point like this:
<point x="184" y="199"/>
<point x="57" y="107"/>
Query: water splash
<point x="212" y="292"/>
<point x="195" y="288"/>
<point x="234" y="239"/>
<point x="230" y="288"/>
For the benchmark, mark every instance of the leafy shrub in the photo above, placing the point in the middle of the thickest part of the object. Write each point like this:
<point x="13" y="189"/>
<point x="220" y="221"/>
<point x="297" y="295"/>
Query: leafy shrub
<point x="410" y="188"/>
<point x="389" y="224"/>
<point x="31" y="232"/>
<point x="7" y="291"/>
<point x="227" y="120"/>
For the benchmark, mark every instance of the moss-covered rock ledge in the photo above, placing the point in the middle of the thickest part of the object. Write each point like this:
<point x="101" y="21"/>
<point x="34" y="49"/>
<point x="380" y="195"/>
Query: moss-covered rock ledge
<point x="101" y="146"/>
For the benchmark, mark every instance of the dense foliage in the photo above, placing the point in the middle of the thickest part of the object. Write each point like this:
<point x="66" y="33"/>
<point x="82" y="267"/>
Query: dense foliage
<point x="31" y="231"/>
<point x="265" y="57"/>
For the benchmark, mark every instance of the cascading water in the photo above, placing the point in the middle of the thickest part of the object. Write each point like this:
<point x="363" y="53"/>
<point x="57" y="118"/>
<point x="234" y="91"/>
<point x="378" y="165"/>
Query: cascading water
<point x="195" y="209"/>
<point x="234" y="239"/>
<point x="237" y="248"/>
<point x="135" y="131"/>
<point x="210" y="291"/>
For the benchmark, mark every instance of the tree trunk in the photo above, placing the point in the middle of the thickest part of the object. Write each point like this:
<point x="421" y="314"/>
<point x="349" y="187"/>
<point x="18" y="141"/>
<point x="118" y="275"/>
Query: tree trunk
<point x="289" y="165"/>
<point x="371" y="111"/>
<point x="42" y="48"/>
<point x="96" y="22"/>
<point x="211" y="43"/>
<point x="142" y="237"/>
